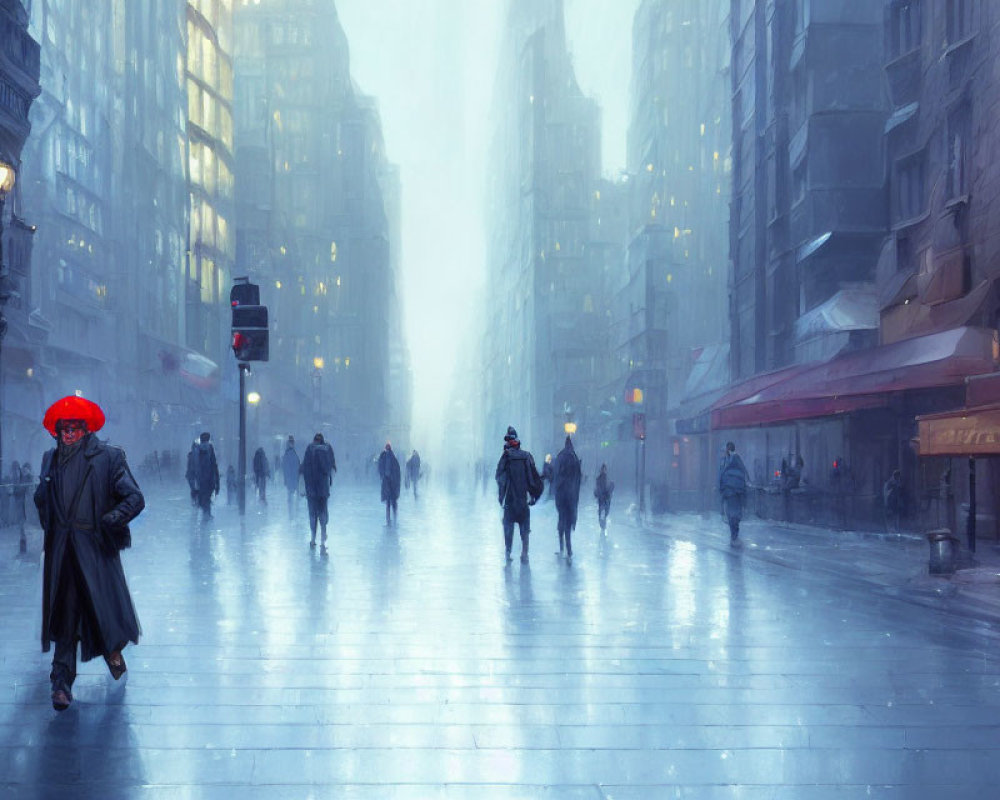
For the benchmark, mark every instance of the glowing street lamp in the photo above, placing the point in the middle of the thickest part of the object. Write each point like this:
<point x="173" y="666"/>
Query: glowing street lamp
<point x="253" y="398"/>
<point x="318" y="362"/>
<point x="570" y="428"/>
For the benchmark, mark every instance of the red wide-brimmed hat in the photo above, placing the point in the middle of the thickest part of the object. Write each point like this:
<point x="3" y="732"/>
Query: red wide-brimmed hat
<point x="73" y="407"/>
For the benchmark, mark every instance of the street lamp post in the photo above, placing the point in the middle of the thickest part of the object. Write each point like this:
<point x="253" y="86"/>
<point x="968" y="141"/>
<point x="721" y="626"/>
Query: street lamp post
<point x="7" y="177"/>
<point x="317" y="377"/>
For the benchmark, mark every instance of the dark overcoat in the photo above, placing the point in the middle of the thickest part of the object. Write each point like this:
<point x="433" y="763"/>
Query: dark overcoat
<point x="290" y="467"/>
<point x="318" y="466"/>
<point x="388" y="471"/>
<point x="518" y="480"/>
<point x="108" y="486"/>
<point x="566" y="480"/>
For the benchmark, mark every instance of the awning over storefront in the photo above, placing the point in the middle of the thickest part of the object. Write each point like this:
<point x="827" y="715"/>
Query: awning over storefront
<point x="864" y="379"/>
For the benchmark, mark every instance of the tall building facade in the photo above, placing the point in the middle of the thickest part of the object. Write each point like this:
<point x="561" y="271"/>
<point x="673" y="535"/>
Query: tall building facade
<point x="545" y="327"/>
<point x="19" y="74"/>
<point x="808" y="211"/>
<point x="318" y="223"/>
<point x="212" y="234"/>
<point x="113" y="311"/>
<point x="671" y="307"/>
<point x="69" y="172"/>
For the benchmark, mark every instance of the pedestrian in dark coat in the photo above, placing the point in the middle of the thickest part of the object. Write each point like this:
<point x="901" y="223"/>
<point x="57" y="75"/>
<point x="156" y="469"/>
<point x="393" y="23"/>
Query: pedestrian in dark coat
<point x="290" y="468"/>
<point x="413" y="472"/>
<point x="733" y="481"/>
<point x="191" y="473"/>
<point x="86" y="497"/>
<point x="318" y="466"/>
<point x="603" y="489"/>
<point x="231" y="486"/>
<point x="566" y="478"/>
<point x="388" y="471"/>
<point x="207" y="473"/>
<point x="519" y="486"/>
<point x="548" y="472"/>
<point x="261" y="473"/>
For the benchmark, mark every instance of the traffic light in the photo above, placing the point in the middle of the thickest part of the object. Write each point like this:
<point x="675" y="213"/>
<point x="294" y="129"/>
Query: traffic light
<point x="250" y="330"/>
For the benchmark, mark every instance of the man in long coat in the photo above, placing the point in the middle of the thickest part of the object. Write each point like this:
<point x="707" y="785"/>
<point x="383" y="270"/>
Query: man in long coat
<point x="566" y="479"/>
<point x="413" y="472"/>
<point x="86" y="497"/>
<point x="207" y="471"/>
<point x="290" y="468"/>
<point x="388" y="471"/>
<point x="519" y="486"/>
<point x="733" y="482"/>
<point x="318" y="466"/>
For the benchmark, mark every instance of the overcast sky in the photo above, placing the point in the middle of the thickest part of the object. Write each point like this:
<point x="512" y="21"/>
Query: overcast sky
<point x="431" y="65"/>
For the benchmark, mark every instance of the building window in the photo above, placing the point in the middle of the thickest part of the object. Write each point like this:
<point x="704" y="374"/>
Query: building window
<point x="911" y="181"/>
<point x="959" y="135"/>
<point x="959" y="17"/>
<point x="904" y="27"/>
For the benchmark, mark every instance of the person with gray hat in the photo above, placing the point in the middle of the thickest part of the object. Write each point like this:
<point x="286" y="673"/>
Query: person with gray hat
<point x="519" y="486"/>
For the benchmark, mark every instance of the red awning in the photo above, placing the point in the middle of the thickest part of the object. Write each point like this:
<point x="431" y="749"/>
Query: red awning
<point x="865" y="379"/>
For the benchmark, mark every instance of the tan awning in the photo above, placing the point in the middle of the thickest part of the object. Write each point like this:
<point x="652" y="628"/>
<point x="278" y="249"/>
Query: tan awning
<point x="970" y="432"/>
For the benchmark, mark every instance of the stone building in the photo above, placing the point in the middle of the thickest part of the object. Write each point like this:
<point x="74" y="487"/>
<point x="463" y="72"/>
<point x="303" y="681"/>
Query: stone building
<point x="318" y="224"/>
<point x="671" y="307"/>
<point x="19" y="333"/>
<point x="544" y="338"/>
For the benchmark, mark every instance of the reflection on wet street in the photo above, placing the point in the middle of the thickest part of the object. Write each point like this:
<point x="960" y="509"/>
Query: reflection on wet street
<point x="411" y="662"/>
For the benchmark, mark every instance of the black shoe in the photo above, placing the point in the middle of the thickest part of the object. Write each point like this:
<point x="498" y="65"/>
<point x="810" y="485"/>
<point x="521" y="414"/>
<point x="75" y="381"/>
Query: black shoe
<point x="508" y="556"/>
<point x="116" y="664"/>
<point x="524" y="558"/>
<point x="312" y="543"/>
<point x="61" y="699"/>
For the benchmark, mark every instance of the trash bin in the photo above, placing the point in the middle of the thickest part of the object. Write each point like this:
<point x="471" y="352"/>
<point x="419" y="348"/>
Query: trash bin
<point x="944" y="550"/>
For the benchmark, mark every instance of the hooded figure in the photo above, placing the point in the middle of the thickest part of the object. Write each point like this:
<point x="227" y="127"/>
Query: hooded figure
<point x="566" y="479"/>
<point x="733" y="481"/>
<point x="318" y="466"/>
<point x="388" y="471"/>
<point x="290" y="468"/>
<point x="206" y="470"/>
<point x="86" y="497"/>
<point x="519" y="486"/>
<point x="603" y="489"/>
<point x="261" y="472"/>
<point x="413" y="472"/>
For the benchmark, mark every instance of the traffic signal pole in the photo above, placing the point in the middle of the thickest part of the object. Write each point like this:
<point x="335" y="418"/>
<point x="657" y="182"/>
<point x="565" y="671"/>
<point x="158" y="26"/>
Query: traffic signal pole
<point x="242" y="490"/>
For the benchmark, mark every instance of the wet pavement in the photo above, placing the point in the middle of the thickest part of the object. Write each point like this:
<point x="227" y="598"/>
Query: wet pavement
<point x="412" y="663"/>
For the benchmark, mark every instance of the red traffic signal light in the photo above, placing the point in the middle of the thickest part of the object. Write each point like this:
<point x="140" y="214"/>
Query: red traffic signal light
<point x="250" y="333"/>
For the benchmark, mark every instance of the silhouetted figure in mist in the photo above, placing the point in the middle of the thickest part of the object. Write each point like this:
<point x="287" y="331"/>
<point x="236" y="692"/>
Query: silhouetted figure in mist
<point x="519" y="486"/>
<point x="290" y="468"/>
<point x="388" y="472"/>
<point x="603" y="489"/>
<point x="261" y="473"/>
<point x="733" y="481"/>
<point x="566" y="478"/>
<point x="206" y="470"/>
<point x="318" y="466"/>
<point x="413" y="472"/>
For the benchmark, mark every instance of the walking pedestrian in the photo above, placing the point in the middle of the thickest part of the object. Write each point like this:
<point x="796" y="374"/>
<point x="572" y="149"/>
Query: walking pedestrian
<point x="86" y="497"/>
<point x="548" y="471"/>
<point x="519" y="486"/>
<point x="290" y="467"/>
<point x="261" y="473"/>
<point x="388" y="472"/>
<point x="206" y="469"/>
<point x="413" y="472"/>
<point x="603" y="489"/>
<point x="892" y="497"/>
<point x="566" y="478"/>
<point x="733" y="481"/>
<point x="231" y="486"/>
<point x="318" y="466"/>
<point x="191" y="473"/>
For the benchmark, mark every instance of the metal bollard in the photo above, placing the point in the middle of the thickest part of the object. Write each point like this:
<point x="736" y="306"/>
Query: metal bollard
<point x="944" y="549"/>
